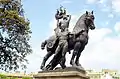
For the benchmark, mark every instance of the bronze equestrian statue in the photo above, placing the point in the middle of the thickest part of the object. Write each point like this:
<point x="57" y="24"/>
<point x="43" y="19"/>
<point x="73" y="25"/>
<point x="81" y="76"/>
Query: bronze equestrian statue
<point x="77" y="41"/>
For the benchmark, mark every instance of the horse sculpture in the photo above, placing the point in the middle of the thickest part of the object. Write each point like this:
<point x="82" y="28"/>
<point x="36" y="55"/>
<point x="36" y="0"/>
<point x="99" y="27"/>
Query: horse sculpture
<point x="76" y="43"/>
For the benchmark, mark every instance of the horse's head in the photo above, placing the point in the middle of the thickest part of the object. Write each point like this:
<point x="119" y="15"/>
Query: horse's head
<point x="89" y="20"/>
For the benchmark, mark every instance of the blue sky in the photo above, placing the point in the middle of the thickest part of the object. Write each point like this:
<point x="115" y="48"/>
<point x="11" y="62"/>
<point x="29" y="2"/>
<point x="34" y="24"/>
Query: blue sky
<point x="101" y="47"/>
<point x="41" y="13"/>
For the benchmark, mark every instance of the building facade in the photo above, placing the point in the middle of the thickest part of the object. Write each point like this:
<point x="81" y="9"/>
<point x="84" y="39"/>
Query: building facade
<point x="104" y="74"/>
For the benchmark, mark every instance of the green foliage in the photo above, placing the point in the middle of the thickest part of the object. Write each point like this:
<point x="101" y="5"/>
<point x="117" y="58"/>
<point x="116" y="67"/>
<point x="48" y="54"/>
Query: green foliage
<point x="26" y="78"/>
<point x="14" y="35"/>
<point x="3" y="76"/>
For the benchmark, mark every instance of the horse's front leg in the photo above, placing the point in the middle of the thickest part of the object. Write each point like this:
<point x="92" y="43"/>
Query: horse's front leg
<point x="45" y="59"/>
<point x="75" y="51"/>
<point x="84" y="41"/>
<point x="79" y="54"/>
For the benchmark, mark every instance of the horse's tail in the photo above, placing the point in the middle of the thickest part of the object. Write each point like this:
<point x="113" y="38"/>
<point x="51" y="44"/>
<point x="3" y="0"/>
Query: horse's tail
<point x="43" y="45"/>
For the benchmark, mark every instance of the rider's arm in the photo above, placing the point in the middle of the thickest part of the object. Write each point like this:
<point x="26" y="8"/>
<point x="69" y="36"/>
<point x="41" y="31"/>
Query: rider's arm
<point x="57" y="23"/>
<point x="57" y="16"/>
<point x="69" y="18"/>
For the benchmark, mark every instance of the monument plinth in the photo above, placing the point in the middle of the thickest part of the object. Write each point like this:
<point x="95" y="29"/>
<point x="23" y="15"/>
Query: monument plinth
<point x="67" y="73"/>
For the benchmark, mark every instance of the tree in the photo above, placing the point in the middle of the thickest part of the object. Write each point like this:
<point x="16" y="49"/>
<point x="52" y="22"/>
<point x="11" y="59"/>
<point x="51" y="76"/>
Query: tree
<point x="14" y="35"/>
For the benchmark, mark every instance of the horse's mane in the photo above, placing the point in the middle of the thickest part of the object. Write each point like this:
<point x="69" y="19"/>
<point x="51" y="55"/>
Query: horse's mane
<point x="82" y="16"/>
<point x="81" y="19"/>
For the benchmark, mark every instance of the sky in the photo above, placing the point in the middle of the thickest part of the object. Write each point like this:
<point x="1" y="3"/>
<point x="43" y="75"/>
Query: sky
<point x="102" y="50"/>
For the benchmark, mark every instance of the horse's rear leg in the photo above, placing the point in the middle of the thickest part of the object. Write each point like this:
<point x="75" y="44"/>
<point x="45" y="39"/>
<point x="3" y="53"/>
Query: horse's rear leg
<point x="75" y="51"/>
<point x="54" y="62"/>
<point x="45" y="59"/>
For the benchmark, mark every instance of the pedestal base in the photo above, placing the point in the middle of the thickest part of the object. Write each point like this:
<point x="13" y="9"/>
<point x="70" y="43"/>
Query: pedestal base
<point x="67" y="73"/>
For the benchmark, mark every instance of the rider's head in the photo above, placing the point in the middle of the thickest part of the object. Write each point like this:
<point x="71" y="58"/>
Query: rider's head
<point x="64" y="11"/>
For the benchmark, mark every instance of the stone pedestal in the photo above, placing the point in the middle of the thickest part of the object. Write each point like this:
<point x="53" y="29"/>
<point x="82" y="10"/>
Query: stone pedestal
<point x="67" y="73"/>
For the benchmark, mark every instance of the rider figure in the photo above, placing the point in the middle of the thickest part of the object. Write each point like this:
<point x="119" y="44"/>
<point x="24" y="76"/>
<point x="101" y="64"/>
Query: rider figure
<point x="59" y="15"/>
<point x="63" y="38"/>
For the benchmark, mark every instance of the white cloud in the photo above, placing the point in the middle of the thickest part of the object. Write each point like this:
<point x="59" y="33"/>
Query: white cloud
<point x="116" y="5"/>
<point x="101" y="1"/>
<point x="101" y="51"/>
<point x="53" y="25"/>
<point x="111" y="16"/>
<point x="98" y="34"/>
<point x="104" y="7"/>
<point x="107" y="22"/>
<point x="117" y="27"/>
<point x="66" y="2"/>
<point x="91" y="1"/>
<point x="97" y="1"/>
<point x="36" y="57"/>
<point x="108" y="6"/>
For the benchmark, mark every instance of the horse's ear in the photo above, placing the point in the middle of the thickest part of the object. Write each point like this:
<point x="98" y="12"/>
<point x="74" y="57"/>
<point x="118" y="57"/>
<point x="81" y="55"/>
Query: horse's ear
<point x="86" y="12"/>
<point x="92" y="12"/>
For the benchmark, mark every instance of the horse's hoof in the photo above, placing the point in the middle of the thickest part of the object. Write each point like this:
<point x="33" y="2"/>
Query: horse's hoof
<point x="63" y="67"/>
<point x="73" y="64"/>
<point x="42" y="67"/>
<point x="78" y="64"/>
<point x="80" y="67"/>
